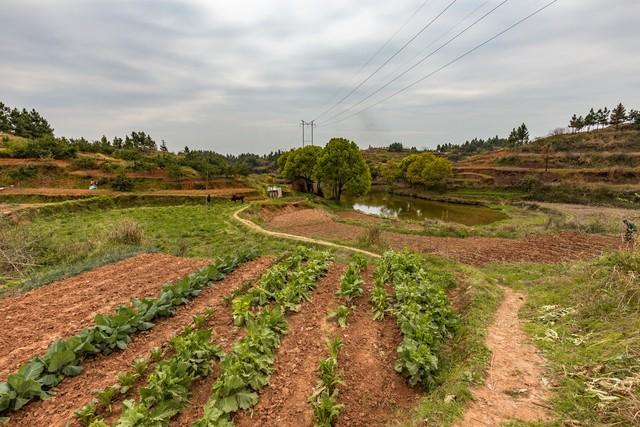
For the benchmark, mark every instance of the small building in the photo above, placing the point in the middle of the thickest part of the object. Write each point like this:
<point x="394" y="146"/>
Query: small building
<point x="274" y="191"/>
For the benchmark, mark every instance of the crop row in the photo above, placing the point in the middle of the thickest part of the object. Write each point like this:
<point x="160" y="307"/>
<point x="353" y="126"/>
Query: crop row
<point x="102" y="404"/>
<point x="36" y="378"/>
<point x="324" y="398"/>
<point x="351" y="287"/>
<point x="247" y="368"/>
<point x="167" y="389"/>
<point x="422" y="312"/>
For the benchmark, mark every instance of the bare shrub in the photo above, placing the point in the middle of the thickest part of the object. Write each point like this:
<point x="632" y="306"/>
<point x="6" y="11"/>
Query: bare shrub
<point x="126" y="232"/>
<point x="19" y="249"/>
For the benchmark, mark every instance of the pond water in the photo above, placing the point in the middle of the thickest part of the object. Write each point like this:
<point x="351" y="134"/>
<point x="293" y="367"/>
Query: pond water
<point x="402" y="207"/>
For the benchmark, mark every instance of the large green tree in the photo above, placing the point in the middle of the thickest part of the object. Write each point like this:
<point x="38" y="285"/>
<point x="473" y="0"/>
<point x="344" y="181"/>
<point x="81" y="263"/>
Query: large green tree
<point x="301" y="164"/>
<point x="618" y="115"/>
<point x="425" y="169"/>
<point x="341" y="168"/>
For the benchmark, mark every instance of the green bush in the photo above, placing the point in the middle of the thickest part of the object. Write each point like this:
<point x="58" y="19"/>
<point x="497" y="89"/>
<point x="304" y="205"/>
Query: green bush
<point x="22" y="172"/>
<point x="122" y="183"/>
<point x="84" y="163"/>
<point x="46" y="147"/>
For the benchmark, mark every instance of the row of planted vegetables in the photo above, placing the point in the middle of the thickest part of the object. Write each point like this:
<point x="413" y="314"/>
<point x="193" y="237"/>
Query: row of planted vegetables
<point x="403" y="287"/>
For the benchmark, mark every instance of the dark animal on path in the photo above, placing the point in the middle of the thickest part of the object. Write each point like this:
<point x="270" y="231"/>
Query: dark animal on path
<point x="237" y="197"/>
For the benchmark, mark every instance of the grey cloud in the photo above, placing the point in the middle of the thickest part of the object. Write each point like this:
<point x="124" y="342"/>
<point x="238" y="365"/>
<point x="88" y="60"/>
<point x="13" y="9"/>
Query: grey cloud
<point x="239" y="76"/>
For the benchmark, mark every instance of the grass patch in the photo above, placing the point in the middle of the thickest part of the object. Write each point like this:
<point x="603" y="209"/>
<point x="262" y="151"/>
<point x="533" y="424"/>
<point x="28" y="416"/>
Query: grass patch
<point x="585" y="318"/>
<point x="65" y="240"/>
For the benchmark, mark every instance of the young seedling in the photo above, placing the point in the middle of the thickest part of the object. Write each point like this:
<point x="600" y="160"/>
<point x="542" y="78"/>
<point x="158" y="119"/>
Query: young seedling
<point x="340" y="314"/>
<point x="140" y="366"/>
<point x="105" y="397"/>
<point x="156" y="354"/>
<point x="87" y="413"/>
<point x="126" y="381"/>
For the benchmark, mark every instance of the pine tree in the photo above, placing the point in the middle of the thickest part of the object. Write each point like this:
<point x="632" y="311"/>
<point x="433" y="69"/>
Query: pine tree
<point x="580" y="123"/>
<point x="599" y="117"/>
<point x="604" y="120"/>
<point x="523" y="134"/>
<point x="634" y="117"/>
<point x="618" y="116"/>
<point x="590" y="119"/>
<point x="163" y="146"/>
<point x="573" y="123"/>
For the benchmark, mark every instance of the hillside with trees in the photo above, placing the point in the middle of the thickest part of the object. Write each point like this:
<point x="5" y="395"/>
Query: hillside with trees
<point x="136" y="160"/>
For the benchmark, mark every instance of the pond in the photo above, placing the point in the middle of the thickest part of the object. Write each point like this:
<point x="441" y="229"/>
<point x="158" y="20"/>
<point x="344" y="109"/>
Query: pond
<point x="403" y="207"/>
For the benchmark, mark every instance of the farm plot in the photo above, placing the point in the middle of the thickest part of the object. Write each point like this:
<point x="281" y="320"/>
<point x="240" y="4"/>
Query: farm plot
<point x="33" y="320"/>
<point x="308" y="342"/>
<point x="542" y="248"/>
<point x="101" y="371"/>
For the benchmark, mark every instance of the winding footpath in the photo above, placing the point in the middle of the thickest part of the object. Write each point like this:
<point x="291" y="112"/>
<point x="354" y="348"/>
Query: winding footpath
<point x="261" y="230"/>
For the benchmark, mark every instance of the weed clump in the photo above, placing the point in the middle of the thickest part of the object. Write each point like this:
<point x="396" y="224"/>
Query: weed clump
<point x="126" y="232"/>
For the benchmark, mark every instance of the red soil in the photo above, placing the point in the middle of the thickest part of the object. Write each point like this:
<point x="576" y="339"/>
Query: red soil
<point x="32" y="321"/>
<point x="544" y="248"/>
<point x="102" y="371"/>
<point x="283" y="402"/>
<point x="514" y="387"/>
<point x="373" y="393"/>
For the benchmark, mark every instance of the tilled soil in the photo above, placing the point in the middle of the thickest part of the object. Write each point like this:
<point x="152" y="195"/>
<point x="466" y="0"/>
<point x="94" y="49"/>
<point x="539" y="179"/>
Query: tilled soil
<point x="514" y="386"/>
<point x="373" y="393"/>
<point x="30" y="322"/>
<point x="102" y="371"/>
<point x="542" y="248"/>
<point x="283" y="402"/>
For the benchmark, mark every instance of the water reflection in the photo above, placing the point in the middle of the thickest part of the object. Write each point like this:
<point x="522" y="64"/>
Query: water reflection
<point x="401" y="207"/>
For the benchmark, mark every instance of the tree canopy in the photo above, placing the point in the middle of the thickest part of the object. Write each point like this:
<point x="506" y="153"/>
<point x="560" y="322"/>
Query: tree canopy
<point x="301" y="163"/>
<point x="342" y="168"/>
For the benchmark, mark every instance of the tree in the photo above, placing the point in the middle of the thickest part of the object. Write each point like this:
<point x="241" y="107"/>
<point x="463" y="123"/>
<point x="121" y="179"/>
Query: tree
<point x="301" y="163"/>
<point x="573" y="123"/>
<point x="396" y="146"/>
<point x="618" y="116"/>
<point x="603" y="120"/>
<point x="163" y="146"/>
<point x="580" y="123"/>
<point x="634" y="116"/>
<point x="519" y="135"/>
<point x="590" y="119"/>
<point x="342" y="168"/>
<point x="425" y="169"/>
<point x="523" y="134"/>
<point x="600" y="117"/>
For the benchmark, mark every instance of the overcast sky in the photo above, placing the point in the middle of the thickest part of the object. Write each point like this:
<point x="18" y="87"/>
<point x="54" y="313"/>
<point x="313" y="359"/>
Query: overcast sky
<point x="239" y="75"/>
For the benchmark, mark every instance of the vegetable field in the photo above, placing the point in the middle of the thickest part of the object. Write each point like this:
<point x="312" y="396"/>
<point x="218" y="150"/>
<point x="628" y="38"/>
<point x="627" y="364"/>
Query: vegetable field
<point x="298" y="340"/>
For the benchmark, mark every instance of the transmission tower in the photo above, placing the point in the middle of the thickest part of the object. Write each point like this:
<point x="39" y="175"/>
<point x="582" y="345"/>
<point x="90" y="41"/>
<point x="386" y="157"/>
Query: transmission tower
<point x="304" y="124"/>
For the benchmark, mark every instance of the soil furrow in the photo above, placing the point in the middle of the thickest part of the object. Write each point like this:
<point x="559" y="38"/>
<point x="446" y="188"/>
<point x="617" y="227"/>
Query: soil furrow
<point x="32" y="321"/>
<point x="283" y="402"/>
<point x="100" y="372"/>
<point x="373" y="393"/>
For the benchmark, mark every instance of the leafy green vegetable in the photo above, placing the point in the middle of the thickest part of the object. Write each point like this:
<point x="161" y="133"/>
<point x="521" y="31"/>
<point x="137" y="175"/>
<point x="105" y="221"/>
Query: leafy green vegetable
<point x="340" y="314"/>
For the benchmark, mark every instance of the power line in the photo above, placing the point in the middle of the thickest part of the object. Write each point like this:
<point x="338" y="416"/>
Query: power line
<point x="372" y="57"/>
<point x="470" y="51"/>
<point x="473" y="24"/>
<point x="394" y="55"/>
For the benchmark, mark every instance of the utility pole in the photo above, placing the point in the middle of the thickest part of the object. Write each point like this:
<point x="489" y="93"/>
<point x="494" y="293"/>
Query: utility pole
<point x="304" y="124"/>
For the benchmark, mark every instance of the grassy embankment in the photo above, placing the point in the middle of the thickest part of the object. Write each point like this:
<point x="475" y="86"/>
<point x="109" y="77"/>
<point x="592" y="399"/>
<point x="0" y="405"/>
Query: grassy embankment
<point x="58" y="244"/>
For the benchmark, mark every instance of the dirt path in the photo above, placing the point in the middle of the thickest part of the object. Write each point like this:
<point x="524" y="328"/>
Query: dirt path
<point x="259" y="229"/>
<point x="102" y="371"/>
<point x="373" y="392"/>
<point x="514" y="386"/>
<point x="308" y="225"/>
<point x="283" y="402"/>
<point x="30" y="322"/>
